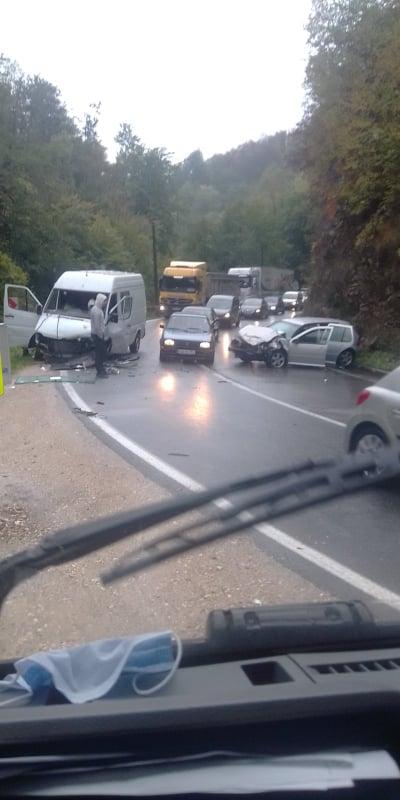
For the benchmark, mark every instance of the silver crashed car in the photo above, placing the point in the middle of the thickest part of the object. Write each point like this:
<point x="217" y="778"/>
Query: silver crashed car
<point x="376" y="419"/>
<point x="341" y="347"/>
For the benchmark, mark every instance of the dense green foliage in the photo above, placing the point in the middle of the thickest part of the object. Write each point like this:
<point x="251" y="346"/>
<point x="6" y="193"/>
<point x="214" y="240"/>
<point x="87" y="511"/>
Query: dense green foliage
<point x="327" y="195"/>
<point x="63" y="204"/>
<point x="245" y="207"/>
<point x="349" y="144"/>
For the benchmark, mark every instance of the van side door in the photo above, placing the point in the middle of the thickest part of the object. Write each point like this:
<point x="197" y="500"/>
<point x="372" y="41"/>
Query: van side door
<point x="21" y="313"/>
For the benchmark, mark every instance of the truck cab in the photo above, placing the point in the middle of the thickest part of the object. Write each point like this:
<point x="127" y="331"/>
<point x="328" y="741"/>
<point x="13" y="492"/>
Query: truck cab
<point x="183" y="283"/>
<point x="250" y="280"/>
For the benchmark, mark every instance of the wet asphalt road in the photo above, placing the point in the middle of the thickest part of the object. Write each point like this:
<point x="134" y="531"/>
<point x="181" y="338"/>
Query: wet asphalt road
<point x="235" y="419"/>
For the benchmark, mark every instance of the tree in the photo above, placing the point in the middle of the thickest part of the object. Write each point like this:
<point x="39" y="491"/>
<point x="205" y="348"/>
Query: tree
<point x="10" y="273"/>
<point x="349" y="145"/>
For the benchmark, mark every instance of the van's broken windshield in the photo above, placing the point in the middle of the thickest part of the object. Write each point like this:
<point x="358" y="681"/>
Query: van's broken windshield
<point x="69" y="303"/>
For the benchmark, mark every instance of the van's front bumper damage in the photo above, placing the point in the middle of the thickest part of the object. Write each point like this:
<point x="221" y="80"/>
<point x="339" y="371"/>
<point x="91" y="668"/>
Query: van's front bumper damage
<point x="52" y="349"/>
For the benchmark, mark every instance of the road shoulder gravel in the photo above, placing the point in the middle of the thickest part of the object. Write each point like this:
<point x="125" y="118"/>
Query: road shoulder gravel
<point x="55" y="472"/>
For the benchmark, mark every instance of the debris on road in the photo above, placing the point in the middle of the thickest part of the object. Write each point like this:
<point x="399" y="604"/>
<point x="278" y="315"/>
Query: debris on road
<point x="84" y="412"/>
<point x="64" y="377"/>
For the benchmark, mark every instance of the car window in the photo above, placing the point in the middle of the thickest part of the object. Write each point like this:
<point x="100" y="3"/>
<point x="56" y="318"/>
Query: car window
<point x="113" y="317"/>
<point x="315" y="336"/>
<point x="347" y="335"/>
<point x="337" y="333"/>
<point x="126" y="304"/>
<point x="21" y="299"/>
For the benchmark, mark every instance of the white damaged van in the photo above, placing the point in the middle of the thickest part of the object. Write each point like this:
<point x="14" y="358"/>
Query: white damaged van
<point x="62" y="327"/>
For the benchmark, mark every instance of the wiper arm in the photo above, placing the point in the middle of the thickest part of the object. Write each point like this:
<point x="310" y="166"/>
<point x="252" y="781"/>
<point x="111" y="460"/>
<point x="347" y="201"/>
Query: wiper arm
<point x="268" y="496"/>
<point x="297" y="489"/>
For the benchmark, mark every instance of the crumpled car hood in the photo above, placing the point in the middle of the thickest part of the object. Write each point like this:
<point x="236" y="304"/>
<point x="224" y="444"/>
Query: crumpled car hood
<point x="54" y="326"/>
<point x="256" y="334"/>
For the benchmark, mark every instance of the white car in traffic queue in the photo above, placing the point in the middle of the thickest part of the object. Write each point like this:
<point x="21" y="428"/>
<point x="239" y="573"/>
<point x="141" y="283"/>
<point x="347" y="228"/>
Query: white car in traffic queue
<point x="376" y="419"/>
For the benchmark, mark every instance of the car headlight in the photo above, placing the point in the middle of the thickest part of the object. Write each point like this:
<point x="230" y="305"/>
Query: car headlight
<point x="272" y="308"/>
<point x="162" y="308"/>
<point x="205" y="345"/>
<point x="227" y="315"/>
<point x="257" y="310"/>
<point x="169" y="342"/>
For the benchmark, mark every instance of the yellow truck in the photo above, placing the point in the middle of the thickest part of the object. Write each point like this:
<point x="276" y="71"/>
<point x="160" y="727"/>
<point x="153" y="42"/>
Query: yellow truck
<point x="183" y="283"/>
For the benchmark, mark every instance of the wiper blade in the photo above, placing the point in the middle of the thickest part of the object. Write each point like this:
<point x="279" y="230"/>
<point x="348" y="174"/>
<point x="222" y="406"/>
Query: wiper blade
<point x="317" y="483"/>
<point x="231" y="508"/>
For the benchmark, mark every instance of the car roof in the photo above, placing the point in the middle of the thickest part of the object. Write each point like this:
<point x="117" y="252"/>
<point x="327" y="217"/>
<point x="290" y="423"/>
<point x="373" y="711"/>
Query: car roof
<point x="222" y="297"/>
<point x="181" y="314"/>
<point x="254" y="299"/>
<point x="196" y="309"/>
<point x="96" y="280"/>
<point x="317" y="320"/>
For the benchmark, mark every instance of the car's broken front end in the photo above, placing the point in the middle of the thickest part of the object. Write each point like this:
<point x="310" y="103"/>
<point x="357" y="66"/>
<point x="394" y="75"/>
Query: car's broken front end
<point x="255" y="343"/>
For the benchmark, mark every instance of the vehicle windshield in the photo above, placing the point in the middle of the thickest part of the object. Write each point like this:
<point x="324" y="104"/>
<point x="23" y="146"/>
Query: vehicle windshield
<point x="161" y="149"/>
<point x="186" y="322"/>
<point x="69" y="303"/>
<point x="202" y="312"/>
<point x="220" y="301"/>
<point x="285" y="327"/>
<point x="177" y="283"/>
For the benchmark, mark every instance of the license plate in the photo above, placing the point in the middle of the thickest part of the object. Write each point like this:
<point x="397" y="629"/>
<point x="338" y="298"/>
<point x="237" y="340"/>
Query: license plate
<point x="186" y="352"/>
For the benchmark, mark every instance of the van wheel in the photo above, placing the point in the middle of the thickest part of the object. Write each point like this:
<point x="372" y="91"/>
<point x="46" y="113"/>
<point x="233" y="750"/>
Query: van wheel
<point x="134" y="347"/>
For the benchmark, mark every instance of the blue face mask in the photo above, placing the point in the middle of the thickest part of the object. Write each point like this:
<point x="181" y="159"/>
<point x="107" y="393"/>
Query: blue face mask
<point x="117" y="667"/>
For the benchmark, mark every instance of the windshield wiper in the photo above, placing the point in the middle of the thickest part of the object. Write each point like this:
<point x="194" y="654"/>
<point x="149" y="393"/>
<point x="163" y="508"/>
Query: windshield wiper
<point x="231" y="508"/>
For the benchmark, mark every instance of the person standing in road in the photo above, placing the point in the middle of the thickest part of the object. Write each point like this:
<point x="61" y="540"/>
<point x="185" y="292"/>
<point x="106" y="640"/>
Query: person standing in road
<point x="98" y="329"/>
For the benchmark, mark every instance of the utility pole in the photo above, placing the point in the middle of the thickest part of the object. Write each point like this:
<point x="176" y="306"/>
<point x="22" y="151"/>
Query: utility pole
<point x="155" y="264"/>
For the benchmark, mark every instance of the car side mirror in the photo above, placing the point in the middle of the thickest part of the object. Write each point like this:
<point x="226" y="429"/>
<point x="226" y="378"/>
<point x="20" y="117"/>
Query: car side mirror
<point x="39" y="309"/>
<point x="162" y="326"/>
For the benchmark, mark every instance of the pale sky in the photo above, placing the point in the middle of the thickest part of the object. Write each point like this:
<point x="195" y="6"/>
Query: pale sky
<point x="186" y="74"/>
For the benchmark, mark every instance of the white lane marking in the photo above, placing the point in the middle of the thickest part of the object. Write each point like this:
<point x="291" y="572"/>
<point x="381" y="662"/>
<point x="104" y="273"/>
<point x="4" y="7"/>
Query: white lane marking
<point x="270" y="399"/>
<point x="155" y="462"/>
<point x="355" y="579"/>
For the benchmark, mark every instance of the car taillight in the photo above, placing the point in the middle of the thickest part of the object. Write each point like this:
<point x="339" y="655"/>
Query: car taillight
<point x="362" y="397"/>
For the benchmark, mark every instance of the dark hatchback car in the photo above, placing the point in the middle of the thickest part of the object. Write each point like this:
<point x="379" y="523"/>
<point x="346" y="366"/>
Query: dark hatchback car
<point x="187" y="336"/>
<point x="226" y="308"/>
<point x="275" y="303"/>
<point x="204" y="311"/>
<point x="254" y="308"/>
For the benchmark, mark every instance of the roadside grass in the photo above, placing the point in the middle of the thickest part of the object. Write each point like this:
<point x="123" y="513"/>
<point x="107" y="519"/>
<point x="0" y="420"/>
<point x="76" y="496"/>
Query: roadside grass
<point x="378" y="359"/>
<point x="18" y="359"/>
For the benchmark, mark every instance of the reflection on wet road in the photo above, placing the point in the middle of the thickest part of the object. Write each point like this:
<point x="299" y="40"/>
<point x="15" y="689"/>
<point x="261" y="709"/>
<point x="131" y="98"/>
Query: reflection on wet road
<point x="186" y="410"/>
